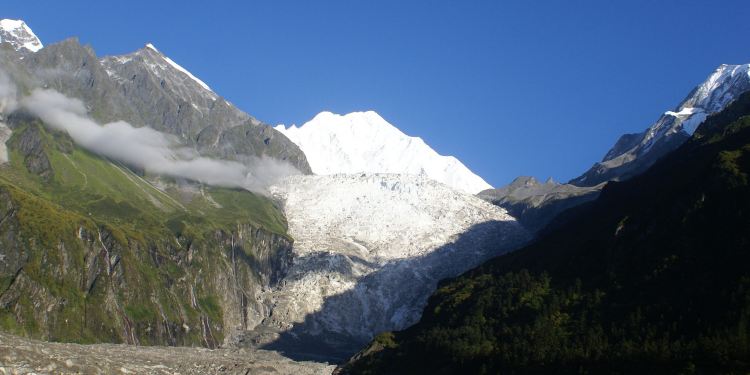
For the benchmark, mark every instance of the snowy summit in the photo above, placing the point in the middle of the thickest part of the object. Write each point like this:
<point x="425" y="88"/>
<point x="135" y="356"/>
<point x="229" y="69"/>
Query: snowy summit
<point x="365" y="142"/>
<point x="19" y="35"/>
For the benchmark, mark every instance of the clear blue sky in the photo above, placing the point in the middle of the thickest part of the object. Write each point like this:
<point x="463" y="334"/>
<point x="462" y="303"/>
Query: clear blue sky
<point x="511" y="88"/>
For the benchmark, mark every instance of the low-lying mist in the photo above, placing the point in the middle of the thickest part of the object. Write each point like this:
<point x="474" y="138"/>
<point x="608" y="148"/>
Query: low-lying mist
<point x="141" y="147"/>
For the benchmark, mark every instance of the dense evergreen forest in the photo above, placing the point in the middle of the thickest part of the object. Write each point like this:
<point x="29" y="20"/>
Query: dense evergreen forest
<point x="653" y="277"/>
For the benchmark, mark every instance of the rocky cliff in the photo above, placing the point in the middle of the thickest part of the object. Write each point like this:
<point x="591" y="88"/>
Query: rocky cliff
<point x="93" y="252"/>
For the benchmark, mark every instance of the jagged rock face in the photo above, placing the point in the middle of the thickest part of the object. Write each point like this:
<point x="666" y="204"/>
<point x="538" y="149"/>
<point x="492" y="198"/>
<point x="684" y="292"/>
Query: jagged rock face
<point x="29" y="143"/>
<point x="76" y="281"/>
<point x="171" y="100"/>
<point x="536" y="204"/>
<point x="634" y="153"/>
<point x="369" y="249"/>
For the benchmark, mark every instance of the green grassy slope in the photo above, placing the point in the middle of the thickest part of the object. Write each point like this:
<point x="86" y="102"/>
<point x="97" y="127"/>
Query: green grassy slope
<point x="652" y="277"/>
<point x="93" y="252"/>
<point x="111" y="192"/>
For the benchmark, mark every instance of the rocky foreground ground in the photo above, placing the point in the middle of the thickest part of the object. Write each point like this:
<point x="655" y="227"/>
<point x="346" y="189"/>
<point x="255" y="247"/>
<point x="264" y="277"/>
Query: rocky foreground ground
<point x="24" y="356"/>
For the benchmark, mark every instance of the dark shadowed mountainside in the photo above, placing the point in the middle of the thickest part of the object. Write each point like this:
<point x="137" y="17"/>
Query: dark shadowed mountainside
<point x="650" y="278"/>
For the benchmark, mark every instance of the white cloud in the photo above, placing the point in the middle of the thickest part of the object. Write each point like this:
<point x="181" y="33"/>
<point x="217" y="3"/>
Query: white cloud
<point x="148" y="149"/>
<point x="8" y="94"/>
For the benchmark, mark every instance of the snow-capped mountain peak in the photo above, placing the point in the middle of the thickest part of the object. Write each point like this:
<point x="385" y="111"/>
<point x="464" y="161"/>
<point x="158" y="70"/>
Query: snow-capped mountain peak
<point x="716" y="91"/>
<point x="19" y="35"/>
<point x="725" y="84"/>
<point x="711" y="96"/>
<point x="635" y="152"/>
<point x="365" y="142"/>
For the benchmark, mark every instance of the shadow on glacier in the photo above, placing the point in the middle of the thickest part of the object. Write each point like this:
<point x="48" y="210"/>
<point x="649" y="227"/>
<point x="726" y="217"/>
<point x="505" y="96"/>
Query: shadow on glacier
<point x="334" y="262"/>
<point x="392" y="297"/>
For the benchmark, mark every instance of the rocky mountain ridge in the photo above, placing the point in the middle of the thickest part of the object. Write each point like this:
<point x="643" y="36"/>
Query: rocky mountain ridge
<point x="634" y="153"/>
<point x="536" y="204"/>
<point x="145" y="88"/>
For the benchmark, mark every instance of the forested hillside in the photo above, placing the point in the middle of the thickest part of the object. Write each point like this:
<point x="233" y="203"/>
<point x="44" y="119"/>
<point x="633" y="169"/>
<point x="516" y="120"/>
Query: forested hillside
<point x="652" y="277"/>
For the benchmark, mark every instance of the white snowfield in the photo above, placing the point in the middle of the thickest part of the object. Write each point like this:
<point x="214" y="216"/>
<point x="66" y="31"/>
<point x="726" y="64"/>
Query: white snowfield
<point x="370" y="248"/>
<point x="365" y="142"/>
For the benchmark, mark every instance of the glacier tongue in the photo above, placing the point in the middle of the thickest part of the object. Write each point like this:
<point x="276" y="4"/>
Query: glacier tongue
<point x="19" y="35"/>
<point x="369" y="249"/>
<point x="365" y="142"/>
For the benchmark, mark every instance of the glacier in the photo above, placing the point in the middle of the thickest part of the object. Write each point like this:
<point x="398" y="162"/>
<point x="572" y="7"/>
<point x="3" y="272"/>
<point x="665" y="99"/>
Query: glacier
<point x="369" y="249"/>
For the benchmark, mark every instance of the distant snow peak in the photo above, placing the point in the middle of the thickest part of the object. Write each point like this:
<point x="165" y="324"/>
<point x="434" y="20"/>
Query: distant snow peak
<point x="19" y="35"/>
<point x="365" y="142"/>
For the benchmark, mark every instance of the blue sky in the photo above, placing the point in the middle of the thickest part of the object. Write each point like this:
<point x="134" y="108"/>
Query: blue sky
<point x="540" y="88"/>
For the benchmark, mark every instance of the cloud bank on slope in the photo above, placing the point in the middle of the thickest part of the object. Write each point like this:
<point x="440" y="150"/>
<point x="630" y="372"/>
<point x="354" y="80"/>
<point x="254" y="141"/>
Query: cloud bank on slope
<point x="145" y="148"/>
<point x="7" y="104"/>
<point x="8" y="94"/>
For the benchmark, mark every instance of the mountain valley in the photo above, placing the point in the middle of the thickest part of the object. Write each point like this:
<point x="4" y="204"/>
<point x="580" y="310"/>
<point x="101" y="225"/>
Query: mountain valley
<point x="148" y="225"/>
<point x="311" y="266"/>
